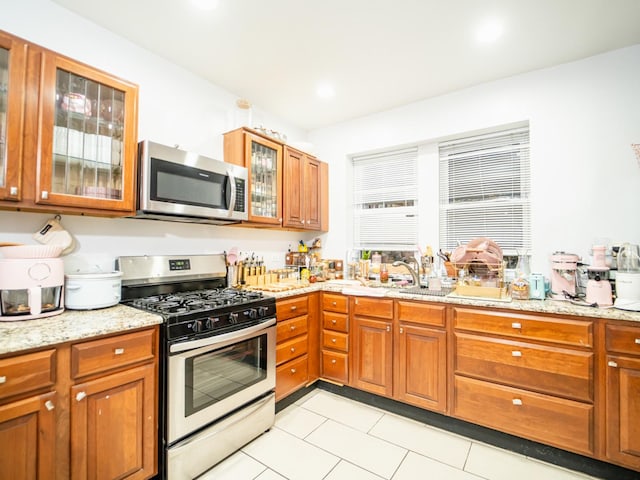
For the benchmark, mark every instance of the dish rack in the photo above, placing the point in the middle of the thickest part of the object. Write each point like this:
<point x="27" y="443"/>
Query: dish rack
<point x="482" y="280"/>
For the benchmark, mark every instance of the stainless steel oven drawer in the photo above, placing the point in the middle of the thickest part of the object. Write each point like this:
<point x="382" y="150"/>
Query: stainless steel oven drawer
<point x="186" y="460"/>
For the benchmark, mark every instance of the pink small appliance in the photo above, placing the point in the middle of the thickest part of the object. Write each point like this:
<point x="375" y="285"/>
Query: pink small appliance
<point x="598" y="286"/>
<point x="563" y="274"/>
<point x="31" y="288"/>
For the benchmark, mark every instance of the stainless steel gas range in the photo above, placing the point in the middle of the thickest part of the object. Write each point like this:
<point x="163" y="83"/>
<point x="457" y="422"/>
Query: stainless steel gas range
<point x="217" y="373"/>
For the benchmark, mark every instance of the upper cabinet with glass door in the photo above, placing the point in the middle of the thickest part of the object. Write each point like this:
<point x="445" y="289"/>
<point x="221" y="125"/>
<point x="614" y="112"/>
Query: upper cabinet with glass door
<point x="263" y="158"/>
<point x="12" y="90"/>
<point x="88" y="137"/>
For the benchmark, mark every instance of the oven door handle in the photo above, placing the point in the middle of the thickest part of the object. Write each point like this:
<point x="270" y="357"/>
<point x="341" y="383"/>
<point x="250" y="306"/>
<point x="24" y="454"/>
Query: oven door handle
<point x="206" y="342"/>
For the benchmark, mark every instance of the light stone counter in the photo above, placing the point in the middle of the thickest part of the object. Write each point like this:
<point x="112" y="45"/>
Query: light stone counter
<point x="540" y="306"/>
<point x="72" y="325"/>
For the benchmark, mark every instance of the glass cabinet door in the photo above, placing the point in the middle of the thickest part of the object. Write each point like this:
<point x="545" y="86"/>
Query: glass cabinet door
<point x="92" y="153"/>
<point x="12" y="74"/>
<point x="265" y="180"/>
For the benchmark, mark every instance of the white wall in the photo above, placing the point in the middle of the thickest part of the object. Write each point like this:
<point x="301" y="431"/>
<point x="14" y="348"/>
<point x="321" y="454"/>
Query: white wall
<point x="585" y="178"/>
<point x="175" y="107"/>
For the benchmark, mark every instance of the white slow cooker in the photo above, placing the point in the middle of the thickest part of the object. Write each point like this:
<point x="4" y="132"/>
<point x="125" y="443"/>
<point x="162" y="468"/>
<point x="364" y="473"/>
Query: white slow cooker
<point x="88" y="291"/>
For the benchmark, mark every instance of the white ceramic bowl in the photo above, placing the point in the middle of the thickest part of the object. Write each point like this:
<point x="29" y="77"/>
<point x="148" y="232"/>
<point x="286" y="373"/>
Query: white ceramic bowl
<point x="31" y="251"/>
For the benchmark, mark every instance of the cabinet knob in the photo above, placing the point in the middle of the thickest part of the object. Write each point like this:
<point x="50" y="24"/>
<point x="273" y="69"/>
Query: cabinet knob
<point x="388" y="328"/>
<point x="516" y="401"/>
<point x="308" y="222"/>
<point x="49" y="405"/>
<point x="611" y="363"/>
<point x="80" y="396"/>
<point x="333" y="361"/>
<point x="118" y="351"/>
<point x="334" y="304"/>
<point x="3" y="379"/>
<point x="516" y="325"/>
<point x="293" y="349"/>
<point x="44" y="195"/>
<point x="293" y="307"/>
<point x="637" y="341"/>
<point x="293" y="370"/>
<point x="13" y="191"/>
<point x="293" y="327"/>
<point x="302" y="221"/>
<point x="516" y="353"/>
<point x="333" y="340"/>
<point x="401" y="330"/>
<point x="334" y="322"/>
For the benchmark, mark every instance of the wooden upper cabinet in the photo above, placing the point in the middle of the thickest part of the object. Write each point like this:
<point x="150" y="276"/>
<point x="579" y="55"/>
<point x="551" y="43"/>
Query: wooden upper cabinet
<point x="302" y="191"/>
<point x="13" y="54"/>
<point x="263" y="159"/>
<point x="87" y="136"/>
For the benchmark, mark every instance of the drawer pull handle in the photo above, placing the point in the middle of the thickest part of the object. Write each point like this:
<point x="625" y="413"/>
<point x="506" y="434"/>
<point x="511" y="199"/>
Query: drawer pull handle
<point x="49" y="405"/>
<point x="637" y="341"/>
<point x="293" y="327"/>
<point x="3" y="379"/>
<point x="388" y="328"/>
<point x="516" y="401"/>
<point x="118" y="351"/>
<point x="335" y="304"/>
<point x="334" y="322"/>
<point x="293" y="349"/>
<point x="80" y="396"/>
<point x="293" y="307"/>
<point x="516" y="353"/>
<point x="293" y="370"/>
<point x="516" y="325"/>
<point x="401" y="330"/>
<point x="333" y="340"/>
<point x="611" y="363"/>
<point x="333" y="361"/>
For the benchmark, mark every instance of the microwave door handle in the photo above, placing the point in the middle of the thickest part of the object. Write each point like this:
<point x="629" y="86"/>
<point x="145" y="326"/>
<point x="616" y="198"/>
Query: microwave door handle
<point x="232" y="185"/>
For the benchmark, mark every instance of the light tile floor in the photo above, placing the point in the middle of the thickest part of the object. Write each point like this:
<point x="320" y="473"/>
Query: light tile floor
<point x="326" y="436"/>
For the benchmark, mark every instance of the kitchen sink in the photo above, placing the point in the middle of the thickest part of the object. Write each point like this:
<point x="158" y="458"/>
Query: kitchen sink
<point x="423" y="290"/>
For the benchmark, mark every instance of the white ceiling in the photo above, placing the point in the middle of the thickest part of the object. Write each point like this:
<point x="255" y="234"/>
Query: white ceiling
<point x="377" y="54"/>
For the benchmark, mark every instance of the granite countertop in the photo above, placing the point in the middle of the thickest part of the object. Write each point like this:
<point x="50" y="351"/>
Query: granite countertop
<point x="72" y="325"/>
<point x="541" y="306"/>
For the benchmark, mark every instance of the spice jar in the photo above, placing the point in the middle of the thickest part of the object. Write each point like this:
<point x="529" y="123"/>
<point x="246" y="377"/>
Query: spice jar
<point x="384" y="273"/>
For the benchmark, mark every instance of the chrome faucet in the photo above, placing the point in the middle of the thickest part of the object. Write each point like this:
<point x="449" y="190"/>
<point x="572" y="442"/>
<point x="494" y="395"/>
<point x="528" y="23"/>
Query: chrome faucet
<point x="414" y="273"/>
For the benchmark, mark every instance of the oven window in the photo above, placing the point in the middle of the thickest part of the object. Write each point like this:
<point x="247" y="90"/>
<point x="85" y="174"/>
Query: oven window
<point x="216" y="375"/>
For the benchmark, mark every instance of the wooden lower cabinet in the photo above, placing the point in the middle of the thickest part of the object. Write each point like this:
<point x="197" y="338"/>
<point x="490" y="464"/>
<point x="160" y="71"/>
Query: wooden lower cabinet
<point x="28" y="438"/>
<point x="335" y="338"/>
<point x="86" y="410"/>
<point x="372" y="355"/>
<point x="552" y="420"/>
<point x="623" y="395"/>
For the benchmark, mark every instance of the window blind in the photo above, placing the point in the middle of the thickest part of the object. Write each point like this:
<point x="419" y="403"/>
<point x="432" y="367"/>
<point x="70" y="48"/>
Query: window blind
<point x="385" y="192"/>
<point x="485" y="190"/>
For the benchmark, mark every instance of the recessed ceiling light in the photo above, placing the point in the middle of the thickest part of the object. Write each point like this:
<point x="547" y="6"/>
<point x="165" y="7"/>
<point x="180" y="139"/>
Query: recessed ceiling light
<point x="325" y="91"/>
<point x="205" y="4"/>
<point x="489" y="31"/>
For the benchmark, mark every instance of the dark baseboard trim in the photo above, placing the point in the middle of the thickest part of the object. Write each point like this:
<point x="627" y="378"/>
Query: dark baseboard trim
<point x="512" y="443"/>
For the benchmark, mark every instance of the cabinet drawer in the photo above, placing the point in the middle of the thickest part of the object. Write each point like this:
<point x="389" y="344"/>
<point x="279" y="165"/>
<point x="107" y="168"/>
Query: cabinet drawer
<point x="25" y="373"/>
<point x="623" y="339"/>
<point x="291" y="376"/>
<point x="106" y="354"/>
<point x="335" y="321"/>
<point x="291" y="328"/>
<point x="553" y="370"/>
<point x="291" y="349"/>
<point x="554" y="421"/>
<point x="291" y="307"/>
<point x="335" y="340"/>
<point x="335" y="366"/>
<point x="549" y="329"/>
<point x="419" y="312"/>
<point x="335" y="303"/>
<point x="373" y="307"/>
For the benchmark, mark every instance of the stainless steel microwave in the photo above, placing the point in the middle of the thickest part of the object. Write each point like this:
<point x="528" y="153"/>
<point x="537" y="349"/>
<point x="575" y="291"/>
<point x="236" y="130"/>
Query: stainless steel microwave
<point x="175" y="185"/>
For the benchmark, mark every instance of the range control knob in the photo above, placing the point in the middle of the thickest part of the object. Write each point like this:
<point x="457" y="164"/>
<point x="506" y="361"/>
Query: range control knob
<point x="233" y="318"/>
<point x="209" y="323"/>
<point x="253" y="313"/>
<point x="262" y="311"/>
<point x="196" y="326"/>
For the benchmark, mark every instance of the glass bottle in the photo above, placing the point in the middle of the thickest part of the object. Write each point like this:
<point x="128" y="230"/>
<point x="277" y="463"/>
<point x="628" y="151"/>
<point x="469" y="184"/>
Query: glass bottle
<point x="384" y="273"/>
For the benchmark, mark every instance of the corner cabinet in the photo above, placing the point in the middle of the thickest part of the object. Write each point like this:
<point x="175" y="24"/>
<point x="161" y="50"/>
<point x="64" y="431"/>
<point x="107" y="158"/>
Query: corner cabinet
<point x="623" y="394"/>
<point x="287" y="188"/>
<point x="69" y="134"/>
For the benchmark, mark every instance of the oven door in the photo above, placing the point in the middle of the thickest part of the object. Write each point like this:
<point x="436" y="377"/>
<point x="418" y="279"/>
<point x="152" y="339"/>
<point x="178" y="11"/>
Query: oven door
<point x="212" y="377"/>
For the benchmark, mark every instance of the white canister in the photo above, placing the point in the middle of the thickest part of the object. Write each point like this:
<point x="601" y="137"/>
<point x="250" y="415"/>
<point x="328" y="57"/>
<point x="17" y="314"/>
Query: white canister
<point x="88" y="291"/>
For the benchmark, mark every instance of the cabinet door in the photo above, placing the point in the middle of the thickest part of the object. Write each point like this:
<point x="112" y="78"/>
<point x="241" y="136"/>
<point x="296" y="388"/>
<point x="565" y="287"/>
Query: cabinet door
<point x="28" y="438"/>
<point x="87" y="136"/>
<point x="421" y="367"/>
<point x="623" y="410"/>
<point x="372" y="356"/>
<point x="264" y="161"/>
<point x="293" y="189"/>
<point x="312" y="194"/>
<point x="12" y="92"/>
<point x="113" y="426"/>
